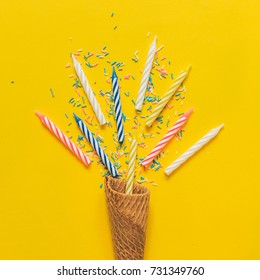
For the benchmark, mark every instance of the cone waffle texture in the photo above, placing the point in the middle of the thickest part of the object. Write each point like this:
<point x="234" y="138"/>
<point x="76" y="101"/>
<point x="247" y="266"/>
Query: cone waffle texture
<point x="128" y="218"/>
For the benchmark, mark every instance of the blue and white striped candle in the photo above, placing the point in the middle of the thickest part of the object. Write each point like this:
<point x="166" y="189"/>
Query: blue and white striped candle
<point x="118" y="108"/>
<point x="96" y="146"/>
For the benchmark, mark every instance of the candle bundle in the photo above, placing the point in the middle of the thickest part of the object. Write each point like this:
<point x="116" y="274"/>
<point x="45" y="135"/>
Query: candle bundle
<point x="91" y="97"/>
<point x="167" y="96"/>
<point x="128" y="202"/>
<point x="96" y="146"/>
<point x="118" y="108"/>
<point x="166" y="139"/>
<point x="64" y="139"/>
<point x="192" y="150"/>
<point x="147" y="69"/>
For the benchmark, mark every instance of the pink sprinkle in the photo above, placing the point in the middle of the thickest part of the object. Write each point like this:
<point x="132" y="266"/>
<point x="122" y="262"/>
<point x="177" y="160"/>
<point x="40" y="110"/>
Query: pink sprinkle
<point x="169" y="106"/>
<point x="77" y="92"/>
<point x="163" y="58"/>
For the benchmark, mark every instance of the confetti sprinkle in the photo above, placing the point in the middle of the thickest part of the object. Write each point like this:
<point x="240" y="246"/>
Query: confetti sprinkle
<point x="160" y="72"/>
<point x="52" y="93"/>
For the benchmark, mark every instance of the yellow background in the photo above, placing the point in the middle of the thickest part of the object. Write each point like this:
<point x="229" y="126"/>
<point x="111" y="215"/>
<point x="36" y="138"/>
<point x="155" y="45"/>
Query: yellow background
<point x="51" y="206"/>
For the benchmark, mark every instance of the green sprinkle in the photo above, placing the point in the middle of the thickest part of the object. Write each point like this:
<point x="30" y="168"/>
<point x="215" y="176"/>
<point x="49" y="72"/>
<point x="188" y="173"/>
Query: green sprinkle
<point x="157" y="168"/>
<point x="113" y="63"/>
<point x="124" y="117"/>
<point x="133" y="101"/>
<point x="112" y="14"/>
<point x="76" y="84"/>
<point x="100" y="186"/>
<point x="52" y="93"/>
<point x="69" y="124"/>
<point x="172" y="76"/>
<point x="66" y="116"/>
<point x="71" y="100"/>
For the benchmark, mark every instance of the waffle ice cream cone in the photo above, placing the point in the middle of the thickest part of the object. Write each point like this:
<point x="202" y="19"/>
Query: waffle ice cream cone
<point x="128" y="215"/>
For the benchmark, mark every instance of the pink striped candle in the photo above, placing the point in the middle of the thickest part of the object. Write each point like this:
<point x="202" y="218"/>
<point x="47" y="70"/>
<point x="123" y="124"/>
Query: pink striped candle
<point x="166" y="139"/>
<point x="63" y="138"/>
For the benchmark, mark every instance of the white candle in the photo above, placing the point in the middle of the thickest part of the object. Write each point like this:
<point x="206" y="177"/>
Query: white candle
<point x="192" y="150"/>
<point x="147" y="69"/>
<point x="91" y="97"/>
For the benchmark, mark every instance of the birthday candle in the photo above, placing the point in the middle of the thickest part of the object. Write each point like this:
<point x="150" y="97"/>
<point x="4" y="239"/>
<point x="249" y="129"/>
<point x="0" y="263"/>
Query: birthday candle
<point x="167" y="96"/>
<point x="145" y="77"/>
<point x="91" y="97"/>
<point x="131" y="167"/>
<point x="64" y="139"/>
<point x="166" y="139"/>
<point x="118" y="108"/>
<point x="94" y="143"/>
<point x="192" y="150"/>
